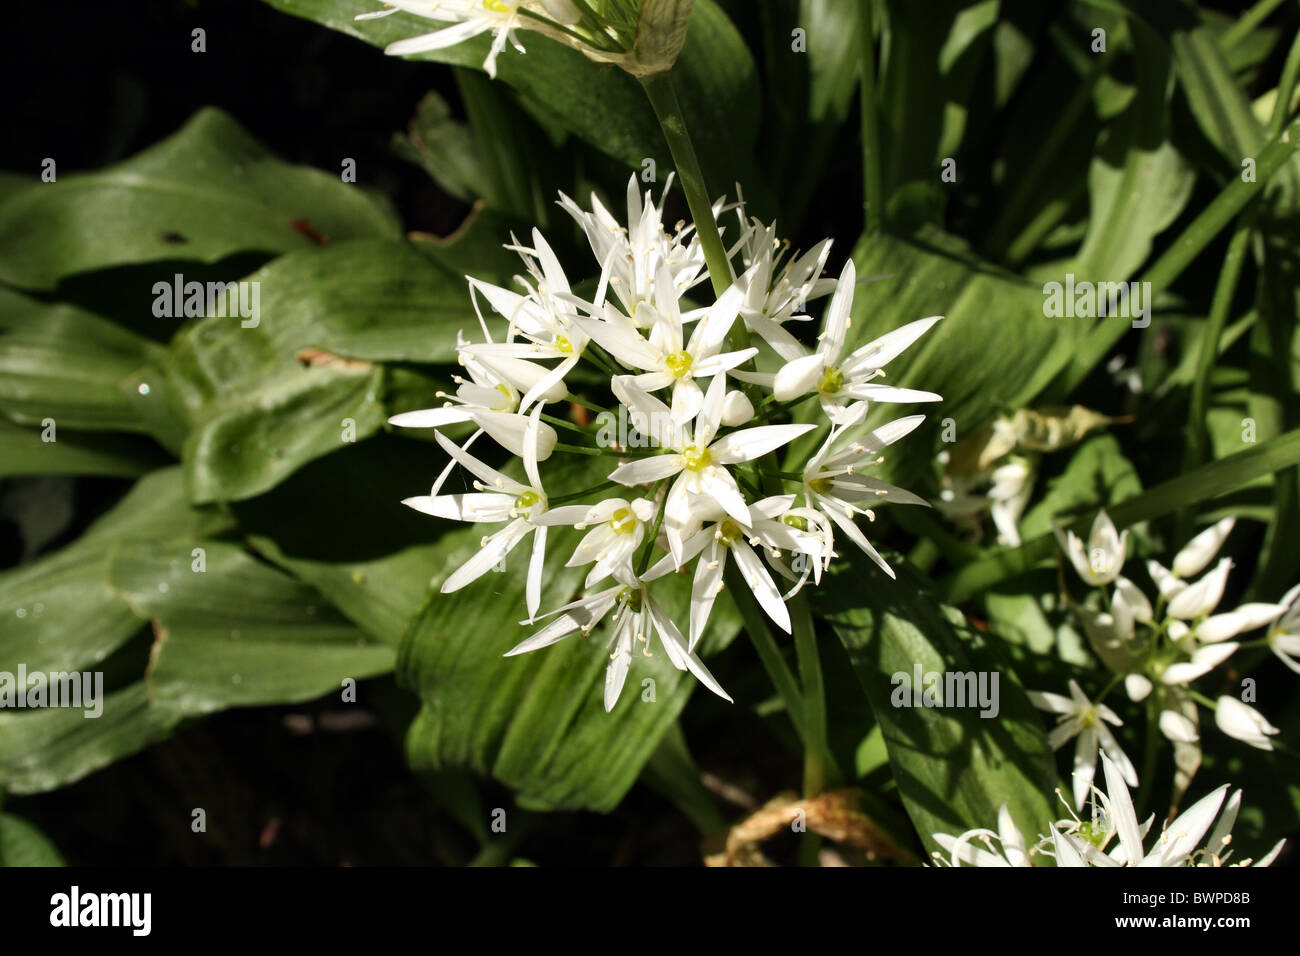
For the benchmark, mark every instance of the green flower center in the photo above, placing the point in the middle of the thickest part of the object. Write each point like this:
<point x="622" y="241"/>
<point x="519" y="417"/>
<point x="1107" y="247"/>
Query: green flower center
<point x="729" y="533"/>
<point x="623" y="521"/>
<point x="633" y="598"/>
<point x="563" y="344"/>
<point x="695" y="459"/>
<point x="820" y="485"/>
<point x="678" y="363"/>
<point x="832" y="381"/>
<point x="496" y="6"/>
<point x="525" y="501"/>
<point x="510" y="399"/>
<point x="797" y="522"/>
<point x="1092" y="833"/>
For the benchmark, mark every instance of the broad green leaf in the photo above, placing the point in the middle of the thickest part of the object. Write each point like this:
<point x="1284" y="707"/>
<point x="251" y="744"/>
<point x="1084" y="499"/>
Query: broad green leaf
<point x="715" y="77"/>
<point x="265" y="399"/>
<point x="22" y="844"/>
<point x="23" y="452"/>
<point x="237" y="633"/>
<point x="445" y="148"/>
<point x="61" y="612"/>
<point x="1138" y="182"/>
<point x="211" y="184"/>
<point x="376" y="558"/>
<point x="63" y="363"/>
<point x="954" y="769"/>
<point x="42" y="750"/>
<point x="537" y="722"/>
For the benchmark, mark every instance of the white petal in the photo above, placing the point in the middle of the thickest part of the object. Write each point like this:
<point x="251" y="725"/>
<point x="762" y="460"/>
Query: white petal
<point x="1203" y="596"/>
<point x="1200" y="551"/>
<point x="798" y="377"/>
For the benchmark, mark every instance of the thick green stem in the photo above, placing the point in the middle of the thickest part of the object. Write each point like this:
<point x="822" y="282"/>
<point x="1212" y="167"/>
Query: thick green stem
<point x="814" y="696"/>
<point x="659" y="88"/>
<point x="873" y="188"/>
<point x="768" y="651"/>
<point x="1285" y="89"/>
<point x="1245" y="26"/>
<point x="1198" y="428"/>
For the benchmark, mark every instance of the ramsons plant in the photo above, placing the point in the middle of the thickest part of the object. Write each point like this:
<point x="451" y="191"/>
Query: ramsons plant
<point x="729" y="278"/>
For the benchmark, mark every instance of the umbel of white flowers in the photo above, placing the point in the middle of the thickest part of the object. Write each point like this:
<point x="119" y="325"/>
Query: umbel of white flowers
<point x="1162" y="648"/>
<point x="700" y="493"/>
<point x="1112" y="837"/>
<point x="640" y="36"/>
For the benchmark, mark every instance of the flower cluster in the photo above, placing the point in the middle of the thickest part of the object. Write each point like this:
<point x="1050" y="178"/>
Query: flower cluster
<point x="1076" y="842"/>
<point x="1161" y="649"/>
<point x="697" y="478"/>
<point x="641" y="36"/>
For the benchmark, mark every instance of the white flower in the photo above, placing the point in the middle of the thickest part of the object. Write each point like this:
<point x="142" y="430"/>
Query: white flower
<point x="1203" y="660"/>
<point x="1284" y="637"/>
<point x="697" y="456"/>
<point x="500" y="498"/>
<point x="713" y="542"/>
<point x="468" y="19"/>
<point x="849" y="378"/>
<point x="1178" y="727"/>
<point x="832" y="480"/>
<point x="1201" y="598"/>
<point x="491" y="401"/>
<point x="1103" y="559"/>
<point x="1075" y="843"/>
<point x="1012" y="484"/>
<point x="637" y="615"/>
<point x="776" y="293"/>
<point x="1011" y="850"/>
<point x="618" y="533"/>
<point x="1243" y="722"/>
<point x="630" y="257"/>
<point x="1135" y="602"/>
<point x="664" y="358"/>
<point x="1200" y="551"/>
<point x="1080" y="717"/>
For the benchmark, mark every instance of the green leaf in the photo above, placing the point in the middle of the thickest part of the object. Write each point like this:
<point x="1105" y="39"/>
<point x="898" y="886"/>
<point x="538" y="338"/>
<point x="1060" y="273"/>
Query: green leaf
<point x="60" y="611"/>
<point x="22" y="844"/>
<point x="23" y="452"/>
<point x="954" y="769"/>
<point x="376" y="559"/>
<point x="238" y="633"/>
<point x="1192" y="488"/>
<point x="43" y="750"/>
<point x="61" y="362"/>
<point x="536" y="722"/>
<point x="715" y="77"/>
<point x="211" y="183"/>
<point x="981" y="305"/>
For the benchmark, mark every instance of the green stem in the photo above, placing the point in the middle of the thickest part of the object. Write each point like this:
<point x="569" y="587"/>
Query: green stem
<point x="872" y="182"/>
<point x="1285" y="89"/>
<point x="1245" y="26"/>
<point x="663" y="98"/>
<point x="1149" y="752"/>
<point x="1198" y="435"/>
<point x="814" y="696"/>
<point x="768" y="651"/>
